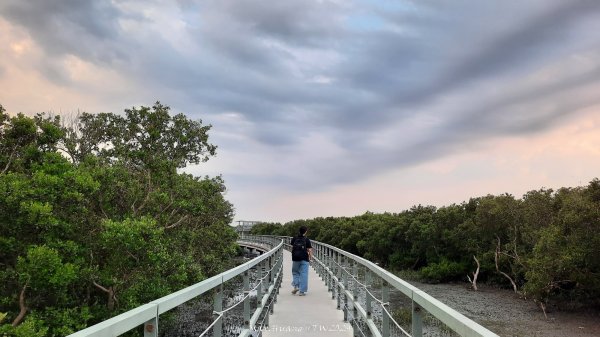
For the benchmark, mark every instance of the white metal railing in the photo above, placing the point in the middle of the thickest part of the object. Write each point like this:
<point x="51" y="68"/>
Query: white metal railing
<point x="355" y="283"/>
<point x="269" y="270"/>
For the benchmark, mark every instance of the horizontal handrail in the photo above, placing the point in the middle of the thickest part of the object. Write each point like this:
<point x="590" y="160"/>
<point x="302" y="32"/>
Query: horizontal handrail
<point x="133" y="318"/>
<point x="453" y="319"/>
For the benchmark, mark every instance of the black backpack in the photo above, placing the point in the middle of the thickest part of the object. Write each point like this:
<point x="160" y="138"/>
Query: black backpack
<point x="299" y="248"/>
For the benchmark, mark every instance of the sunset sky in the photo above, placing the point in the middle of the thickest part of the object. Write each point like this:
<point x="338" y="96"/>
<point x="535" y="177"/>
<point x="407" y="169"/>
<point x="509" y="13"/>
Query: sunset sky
<point x="331" y="108"/>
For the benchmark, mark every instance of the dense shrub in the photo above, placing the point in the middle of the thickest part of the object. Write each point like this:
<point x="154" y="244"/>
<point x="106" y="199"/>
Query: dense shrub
<point x="443" y="271"/>
<point x="547" y="242"/>
<point x="95" y="218"/>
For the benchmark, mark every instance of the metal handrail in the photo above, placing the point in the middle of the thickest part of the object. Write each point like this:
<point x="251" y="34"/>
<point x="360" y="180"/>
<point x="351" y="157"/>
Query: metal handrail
<point x="329" y="265"/>
<point x="149" y="313"/>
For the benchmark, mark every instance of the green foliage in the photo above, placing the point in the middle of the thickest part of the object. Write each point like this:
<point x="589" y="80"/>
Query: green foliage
<point x="546" y="242"/>
<point x="31" y="327"/>
<point x="146" y="137"/>
<point x="106" y="223"/>
<point x="443" y="271"/>
<point x="566" y="259"/>
<point x="266" y="228"/>
<point x="45" y="275"/>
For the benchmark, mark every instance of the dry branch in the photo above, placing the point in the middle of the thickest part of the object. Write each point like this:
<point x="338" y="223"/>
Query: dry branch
<point x="22" y="306"/>
<point x="498" y="268"/>
<point x="112" y="297"/>
<point x="475" y="274"/>
<point x="178" y="222"/>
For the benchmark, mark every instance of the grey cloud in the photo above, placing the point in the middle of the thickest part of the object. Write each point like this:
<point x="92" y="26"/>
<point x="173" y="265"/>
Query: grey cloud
<point x="256" y="35"/>
<point x="86" y="29"/>
<point x="498" y="114"/>
<point x="237" y="70"/>
<point x="243" y="52"/>
<point x="294" y="22"/>
<point x="56" y="72"/>
<point x="533" y="42"/>
<point x="248" y="57"/>
<point x="407" y="70"/>
<point x="395" y="73"/>
<point x="68" y="26"/>
<point x="511" y="114"/>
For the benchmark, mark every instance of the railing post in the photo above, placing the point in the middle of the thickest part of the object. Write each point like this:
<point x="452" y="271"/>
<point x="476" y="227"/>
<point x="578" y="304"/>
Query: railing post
<point x="330" y="273"/>
<point x="344" y="279"/>
<point x="259" y="288"/>
<point x="355" y="281"/>
<point x="325" y="268"/>
<point x="345" y="307"/>
<point x="318" y="256"/>
<point x="328" y="266"/>
<point x="267" y="314"/>
<point x="368" y="295"/>
<point x="334" y="260"/>
<point x="280" y="268"/>
<point x="217" y="308"/>
<point x="271" y="270"/>
<point x="339" y="281"/>
<point x="323" y="265"/>
<point x="246" y="278"/>
<point x="385" y="318"/>
<point x="417" y="320"/>
<point x="276" y="278"/>
<point x="345" y="284"/>
<point x="355" y="296"/>
<point x="151" y="327"/>
<point x="334" y="271"/>
<point x="355" y="327"/>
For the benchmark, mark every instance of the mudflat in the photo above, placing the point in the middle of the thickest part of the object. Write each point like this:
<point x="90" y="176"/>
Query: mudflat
<point x="508" y="315"/>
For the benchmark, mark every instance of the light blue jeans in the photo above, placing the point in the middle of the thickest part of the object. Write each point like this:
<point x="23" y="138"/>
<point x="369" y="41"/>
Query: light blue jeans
<point x="300" y="275"/>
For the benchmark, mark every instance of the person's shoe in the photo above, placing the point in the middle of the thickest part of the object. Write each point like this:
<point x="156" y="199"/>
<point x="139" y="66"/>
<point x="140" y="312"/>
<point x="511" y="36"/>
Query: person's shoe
<point x="295" y="291"/>
<point x="302" y="294"/>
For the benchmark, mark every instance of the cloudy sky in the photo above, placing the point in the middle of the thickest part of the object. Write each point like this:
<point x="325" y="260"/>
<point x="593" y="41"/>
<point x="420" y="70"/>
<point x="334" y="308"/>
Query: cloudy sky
<point x="333" y="107"/>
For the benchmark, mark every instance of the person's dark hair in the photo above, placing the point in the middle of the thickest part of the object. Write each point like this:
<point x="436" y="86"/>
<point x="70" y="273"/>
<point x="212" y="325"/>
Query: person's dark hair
<point x="302" y="230"/>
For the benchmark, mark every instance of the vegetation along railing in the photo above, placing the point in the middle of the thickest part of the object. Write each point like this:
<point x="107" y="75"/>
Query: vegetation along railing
<point x="268" y="271"/>
<point x="362" y="290"/>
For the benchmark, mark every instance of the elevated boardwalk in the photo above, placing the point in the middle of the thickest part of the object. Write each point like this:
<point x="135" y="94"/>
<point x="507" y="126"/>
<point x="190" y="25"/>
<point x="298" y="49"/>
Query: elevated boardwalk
<point x="312" y="315"/>
<point x="360" y="287"/>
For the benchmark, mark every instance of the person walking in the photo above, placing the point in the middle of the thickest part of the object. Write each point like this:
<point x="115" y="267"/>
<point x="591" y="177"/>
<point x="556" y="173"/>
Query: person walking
<point x="301" y="256"/>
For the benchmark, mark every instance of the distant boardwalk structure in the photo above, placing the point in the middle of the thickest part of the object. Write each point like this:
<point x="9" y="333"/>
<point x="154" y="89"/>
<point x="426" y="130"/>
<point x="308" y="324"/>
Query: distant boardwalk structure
<point x="244" y="226"/>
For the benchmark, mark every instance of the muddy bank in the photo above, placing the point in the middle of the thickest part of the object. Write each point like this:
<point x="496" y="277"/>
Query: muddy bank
<point x="506" y="314"/>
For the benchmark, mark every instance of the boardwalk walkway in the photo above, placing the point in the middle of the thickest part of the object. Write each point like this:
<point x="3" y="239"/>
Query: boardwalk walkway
<point x="312" y="315"/>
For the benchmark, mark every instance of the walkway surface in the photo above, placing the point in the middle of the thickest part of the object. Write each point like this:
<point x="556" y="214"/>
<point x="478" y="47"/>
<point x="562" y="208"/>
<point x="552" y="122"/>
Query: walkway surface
<point x="312" y="315"/>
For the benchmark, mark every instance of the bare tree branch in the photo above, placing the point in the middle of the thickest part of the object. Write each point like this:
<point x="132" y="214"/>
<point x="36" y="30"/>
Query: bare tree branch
<point x="542" y="306"/>
<point x="100" y="287"/>
<point x="496" y="255"/>
<point x="112" y="297"/>
<point x="12" y="154"/>
<point x="22" y="306"/>
<point x="133" y="256"/>
<point x="475" y="274"/>
<point x="178" y="222"/>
